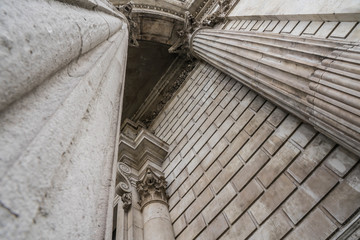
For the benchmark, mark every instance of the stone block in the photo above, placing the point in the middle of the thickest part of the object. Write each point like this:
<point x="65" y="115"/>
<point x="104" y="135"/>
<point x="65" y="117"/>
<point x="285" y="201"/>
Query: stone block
<point x="214" y="154"/>
<point x="325" y="29"/>
<point x="185" y="160"/>
<point x="215" y="104"/>
<point x="343" y="29"/>
<point x="190" y="181"/>
<point x="309" y="194"/>
<point x="259" y="118"/>
<point x="175" y="198"/>
<point x="209" y="175"/>
<point x="218" y="203"/>
<point x="204" y="138"/>
<point x="303" y="134"/>
<point x="230" y="85"/>
<point x="257" y="103"/>
<point x="278" y="163"/>
<point x="250" y="169"/>
<point x="311" y="157"/>
<point x="245" y="102"/>
<point x="242" y="201"/>
<point x="198" y="158"/>
<point x="344" y="200"/>
<point x="313" y="27"/>
<point x="300" y="27"/>
<point x="272" y="198"/>
<point x="241" y="93"/>
<point x="255" y="141"/>
<point x="281" y="134"/>
<point x="273" y="229"/>
<point x="241" y="229"/>
<point x="225" y="114"/>
<point x="289" y="26"/>
<point x="340" y="161"/>
<point x="190" y="144"/>
<point x="198" y="205"/>
<point x="210" y="120"/>
<point x="233" y="148"/>
<point x="182" y="205"/>
<point x="197" y="124"/>
<point x="226" y="174"/>
<point x="193" y="229"/>
<point x="239" y="125"/>
<point x="177" y="183"/>
<point x="179" y="225"/>
<point x="315" y="226"/>
<point x="276" y="117"/>
<point x="220" y="132"/>
<point x="215" y="229"/>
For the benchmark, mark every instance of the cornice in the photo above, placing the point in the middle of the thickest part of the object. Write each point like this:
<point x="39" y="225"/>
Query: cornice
<point x="139" y="148"/>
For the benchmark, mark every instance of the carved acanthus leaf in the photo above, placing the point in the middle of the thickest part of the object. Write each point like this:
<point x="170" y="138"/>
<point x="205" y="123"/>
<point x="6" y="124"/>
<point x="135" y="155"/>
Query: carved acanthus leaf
<point x="151" y="188"/>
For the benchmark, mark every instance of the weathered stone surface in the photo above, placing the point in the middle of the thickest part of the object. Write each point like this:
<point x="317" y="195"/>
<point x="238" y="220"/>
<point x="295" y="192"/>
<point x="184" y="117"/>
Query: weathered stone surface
<point x="241" y="229"/>
<point x="344" y="200"/>
<point x="341" y="161"/>
<point x="315" y="226"/>
<point x="278" y="163"/>
<point x="218" y="203"/>
<point x="272" y="198"/>
<point x="196" y="207"/>
<point x="226" y="174"/>
<point x="71" y="117"/>
<point x="182" y="205"/>
<point x="193" y="229"/>
<point x="243" y="200"/>
<point x="309" y="194"/>
<point x="310" y="158"/>
<point x="274" y="228"/>
<point x="215" y="229"/>
<point x="250" y="169"/>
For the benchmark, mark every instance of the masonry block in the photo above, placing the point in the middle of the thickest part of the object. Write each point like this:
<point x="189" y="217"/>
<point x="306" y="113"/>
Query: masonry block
<point x="272" y="198"/>
<point x="218" y="203"/>
<point x="250" y="169"/>
<point x="243" y="200"/>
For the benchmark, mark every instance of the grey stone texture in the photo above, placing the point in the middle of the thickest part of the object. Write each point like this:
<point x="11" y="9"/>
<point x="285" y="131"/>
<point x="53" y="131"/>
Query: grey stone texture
<point x="258" y="173"/>
<point x="61" y="71"/>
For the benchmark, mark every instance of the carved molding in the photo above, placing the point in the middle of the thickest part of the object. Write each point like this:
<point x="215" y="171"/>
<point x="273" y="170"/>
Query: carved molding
<point x="139" y="148"/>
<point x="123" y="186"/>
<point x="156" y="8"/>
<point x="151" y="188"/>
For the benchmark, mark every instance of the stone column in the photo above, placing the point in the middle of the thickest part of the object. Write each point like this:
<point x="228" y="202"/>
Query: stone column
<point x="153" y="201"/>
<point x="315" y="79"/>
<point x="62" y="74"/>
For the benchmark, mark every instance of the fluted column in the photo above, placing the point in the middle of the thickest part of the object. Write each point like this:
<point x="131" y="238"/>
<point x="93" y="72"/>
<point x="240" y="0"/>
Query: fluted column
<point x="317" y="80"/>
<point x="153" y="200"/>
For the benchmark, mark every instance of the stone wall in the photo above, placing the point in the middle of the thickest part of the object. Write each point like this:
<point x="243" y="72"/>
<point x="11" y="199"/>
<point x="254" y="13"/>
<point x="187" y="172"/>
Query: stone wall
<point x="239" y="167"/>
<point x="61" y="81"/>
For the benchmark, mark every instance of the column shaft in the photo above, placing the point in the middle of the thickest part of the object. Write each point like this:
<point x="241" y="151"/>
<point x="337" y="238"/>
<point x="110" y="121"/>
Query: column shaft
<point x="157" y="223"/>
<point x="317" y="80"/>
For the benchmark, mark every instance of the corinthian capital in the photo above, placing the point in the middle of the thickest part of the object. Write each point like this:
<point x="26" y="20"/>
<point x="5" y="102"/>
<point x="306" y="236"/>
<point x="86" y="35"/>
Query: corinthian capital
<point x="151" y="188"/>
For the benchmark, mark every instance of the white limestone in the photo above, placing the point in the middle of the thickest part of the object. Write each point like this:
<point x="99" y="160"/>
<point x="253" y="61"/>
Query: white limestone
<point x="58" y="118"/>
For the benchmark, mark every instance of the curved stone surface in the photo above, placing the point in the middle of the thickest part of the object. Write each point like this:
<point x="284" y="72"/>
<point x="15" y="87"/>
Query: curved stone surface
<point x="317" y="80"/>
